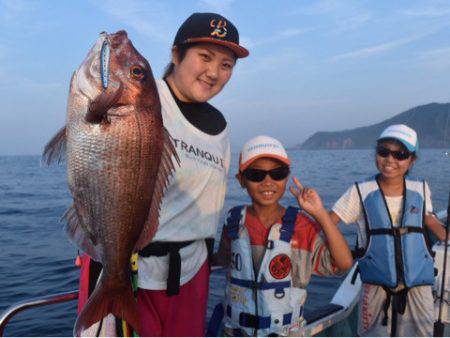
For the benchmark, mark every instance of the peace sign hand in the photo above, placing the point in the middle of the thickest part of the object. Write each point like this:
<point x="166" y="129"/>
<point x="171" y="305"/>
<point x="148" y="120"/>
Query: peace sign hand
<point x="308" y="199"/>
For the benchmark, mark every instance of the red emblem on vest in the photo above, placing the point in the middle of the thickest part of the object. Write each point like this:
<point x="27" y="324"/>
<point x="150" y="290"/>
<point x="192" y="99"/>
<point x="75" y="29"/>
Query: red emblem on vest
<point x="280" y="266"/>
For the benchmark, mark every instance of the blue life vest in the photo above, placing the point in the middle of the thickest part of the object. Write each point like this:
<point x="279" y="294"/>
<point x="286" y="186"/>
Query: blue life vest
<point x="393" y="254"/>
<point x="266" y="302"/>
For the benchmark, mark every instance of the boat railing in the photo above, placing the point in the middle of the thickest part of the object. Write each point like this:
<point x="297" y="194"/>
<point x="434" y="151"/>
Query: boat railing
<point x="32" y="303"/>
<point x="63" y="297"/>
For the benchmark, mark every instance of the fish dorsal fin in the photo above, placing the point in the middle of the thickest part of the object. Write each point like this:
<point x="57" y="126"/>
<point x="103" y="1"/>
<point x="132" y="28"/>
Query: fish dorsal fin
<point x="80" y="236"/>
<point x="55" y="150"/>
<point x="166" y="168"/>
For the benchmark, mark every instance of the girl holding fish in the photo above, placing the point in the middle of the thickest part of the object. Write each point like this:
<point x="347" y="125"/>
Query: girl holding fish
<point x="173" y="275"/>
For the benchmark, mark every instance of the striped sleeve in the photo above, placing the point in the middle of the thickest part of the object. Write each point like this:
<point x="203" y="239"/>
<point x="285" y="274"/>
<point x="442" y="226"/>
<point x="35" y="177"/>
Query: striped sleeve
<point x="348" y="206"/>
<point x="428" y="203"/>
<point x="321" y="258"/>
<point x="310" y="254"/>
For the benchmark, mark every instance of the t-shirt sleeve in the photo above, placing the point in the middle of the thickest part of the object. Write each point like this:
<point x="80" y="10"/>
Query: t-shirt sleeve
<point x="311" y="255"/>
<point x="322" y="261"/>
<point x="428" y="203"/>
<point x="348" y="206"/>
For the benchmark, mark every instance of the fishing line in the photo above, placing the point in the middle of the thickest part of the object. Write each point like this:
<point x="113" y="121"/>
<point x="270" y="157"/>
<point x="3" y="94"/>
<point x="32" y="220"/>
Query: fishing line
<point x="438" y="329"/>
<point x="439" y="326"/>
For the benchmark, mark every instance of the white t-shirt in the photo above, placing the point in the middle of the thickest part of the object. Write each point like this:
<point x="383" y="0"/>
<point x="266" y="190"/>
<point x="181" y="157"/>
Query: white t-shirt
<point x="418" y="318"/>
<point x="194" y="199"/>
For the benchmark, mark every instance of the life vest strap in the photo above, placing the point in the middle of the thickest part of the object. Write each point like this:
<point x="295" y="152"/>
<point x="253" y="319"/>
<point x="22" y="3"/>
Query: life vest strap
<point x="173" y="250"/>
<point x="215" y="321"/>
<point x="258" y="322"/>
<point x="287" y="228"/>
<point x="355" y="274"/>
<point x="260" y="285"/>
<point x="159" y="249"/>
<point x="398" y="300"/>
<point x="400" y="231"/>
<point x="288" y="224"/>
<point x="358" y="252"/>
<point x="233" y="222"/>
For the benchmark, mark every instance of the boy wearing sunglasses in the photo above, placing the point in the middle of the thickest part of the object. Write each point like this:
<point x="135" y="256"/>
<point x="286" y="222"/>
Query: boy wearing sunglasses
<point x="272" y="251"/>
<point x="395" y="262"/>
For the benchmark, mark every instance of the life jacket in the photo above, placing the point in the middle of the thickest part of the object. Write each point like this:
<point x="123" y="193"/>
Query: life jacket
<point x="265" y="303"/>
<point x="395" y="255"/>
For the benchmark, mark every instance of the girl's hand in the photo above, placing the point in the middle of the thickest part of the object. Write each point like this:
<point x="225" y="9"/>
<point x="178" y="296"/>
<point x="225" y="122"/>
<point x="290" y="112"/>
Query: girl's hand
<point x="308" y="199"/>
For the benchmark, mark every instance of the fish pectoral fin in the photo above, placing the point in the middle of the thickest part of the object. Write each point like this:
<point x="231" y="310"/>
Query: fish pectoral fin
<point x="55" y="150"/>
<point x="81" y="236"/>
<point x="166" y="169"/>
<point x="98" y="109"/>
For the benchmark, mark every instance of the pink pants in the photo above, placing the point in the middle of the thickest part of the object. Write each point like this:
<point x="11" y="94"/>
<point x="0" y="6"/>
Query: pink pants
<point x="180" y="315"/>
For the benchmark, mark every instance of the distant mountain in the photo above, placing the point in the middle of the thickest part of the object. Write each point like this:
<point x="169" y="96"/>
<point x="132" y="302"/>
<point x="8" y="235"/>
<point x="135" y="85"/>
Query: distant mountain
<point x="431" y="121"/>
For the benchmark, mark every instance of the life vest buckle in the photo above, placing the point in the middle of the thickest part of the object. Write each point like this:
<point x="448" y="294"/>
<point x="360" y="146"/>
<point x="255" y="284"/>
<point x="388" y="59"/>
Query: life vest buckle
<point x="279" y="293"/>
<point x="248" y="320"/>
<point x="255" y="285"/>
<point x="401" y="231"/>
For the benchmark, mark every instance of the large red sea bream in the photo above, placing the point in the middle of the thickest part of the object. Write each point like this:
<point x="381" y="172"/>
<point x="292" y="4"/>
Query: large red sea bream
<point x="119" y="158"/>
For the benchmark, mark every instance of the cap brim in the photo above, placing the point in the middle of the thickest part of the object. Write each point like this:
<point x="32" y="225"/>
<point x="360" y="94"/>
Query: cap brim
<point x="408" y="145"/>
<point x="240" y="52"/>
<point x="245" y="165"/>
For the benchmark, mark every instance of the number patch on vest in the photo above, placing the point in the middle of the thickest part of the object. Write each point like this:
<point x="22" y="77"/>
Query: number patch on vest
<point x="236" y="261"/>
<point x="280" y="266"/>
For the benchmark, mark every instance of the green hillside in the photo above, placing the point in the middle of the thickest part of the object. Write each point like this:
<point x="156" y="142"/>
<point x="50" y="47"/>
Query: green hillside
<point x="431" y="121"/>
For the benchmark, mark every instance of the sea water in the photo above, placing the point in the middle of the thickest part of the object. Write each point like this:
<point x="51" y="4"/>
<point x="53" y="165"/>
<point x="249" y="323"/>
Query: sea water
<point x="37" y="259"/>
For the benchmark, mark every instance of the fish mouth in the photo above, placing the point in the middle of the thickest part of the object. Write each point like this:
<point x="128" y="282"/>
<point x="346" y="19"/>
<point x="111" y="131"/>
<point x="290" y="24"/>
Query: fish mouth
<point x="98" y="113"/>
<point x="97" y="85"/>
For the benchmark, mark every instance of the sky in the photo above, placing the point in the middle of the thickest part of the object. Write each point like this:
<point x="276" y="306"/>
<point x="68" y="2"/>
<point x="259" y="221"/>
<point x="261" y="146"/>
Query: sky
<point x="321" y="65"/>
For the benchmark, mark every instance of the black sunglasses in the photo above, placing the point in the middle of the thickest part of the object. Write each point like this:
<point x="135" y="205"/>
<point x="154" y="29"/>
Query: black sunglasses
<point x="400" y="155"/>
<point x="258" y="175"/>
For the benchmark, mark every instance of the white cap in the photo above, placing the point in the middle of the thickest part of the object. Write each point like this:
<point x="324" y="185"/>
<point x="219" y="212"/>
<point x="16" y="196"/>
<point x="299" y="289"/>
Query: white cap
<point x="262" y="146"/>
<point x="406" y="135"/>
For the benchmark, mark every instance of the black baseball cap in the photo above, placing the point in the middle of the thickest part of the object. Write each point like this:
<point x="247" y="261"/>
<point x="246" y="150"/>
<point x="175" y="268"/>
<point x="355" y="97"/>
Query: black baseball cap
<point x="210" y="28"/>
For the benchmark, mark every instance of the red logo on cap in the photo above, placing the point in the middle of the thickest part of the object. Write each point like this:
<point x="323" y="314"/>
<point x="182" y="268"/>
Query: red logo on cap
<point x="280" y="266"/>
<point x="219" y="26"/>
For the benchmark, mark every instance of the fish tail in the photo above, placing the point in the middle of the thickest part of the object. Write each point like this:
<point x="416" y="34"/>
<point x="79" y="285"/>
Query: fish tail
<point x="104" y="300"/>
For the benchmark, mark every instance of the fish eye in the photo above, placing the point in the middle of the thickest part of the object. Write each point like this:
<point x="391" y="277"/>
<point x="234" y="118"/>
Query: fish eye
<point x="137" y="72"/>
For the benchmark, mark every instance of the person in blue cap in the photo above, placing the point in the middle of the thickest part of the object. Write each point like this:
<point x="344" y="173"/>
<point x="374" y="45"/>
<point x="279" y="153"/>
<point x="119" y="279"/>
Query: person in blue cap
<point x="395" y="260"/>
